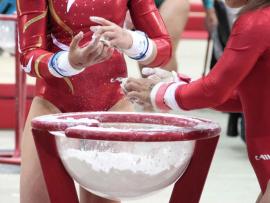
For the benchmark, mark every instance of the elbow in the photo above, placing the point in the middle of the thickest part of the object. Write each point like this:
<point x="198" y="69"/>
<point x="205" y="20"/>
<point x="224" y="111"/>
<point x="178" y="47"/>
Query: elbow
<point x="217" y="99"/>
<point x="164" y="52"/>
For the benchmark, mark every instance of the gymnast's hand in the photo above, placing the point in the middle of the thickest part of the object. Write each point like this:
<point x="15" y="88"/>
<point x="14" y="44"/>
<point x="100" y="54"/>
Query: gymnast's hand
<point x="161" y="75"/>
<point x="112" y="34"/>
<point x="158" y="74"/>
<point x="93" y="53"/>
<point x="138" y="90"/>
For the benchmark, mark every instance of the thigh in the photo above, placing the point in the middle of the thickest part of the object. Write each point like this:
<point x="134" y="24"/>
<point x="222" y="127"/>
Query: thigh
<point x="87" y="197"/>
<point x="175" y="15"/>
<point x="32" y="185"/>
<point x="123" y="105"/>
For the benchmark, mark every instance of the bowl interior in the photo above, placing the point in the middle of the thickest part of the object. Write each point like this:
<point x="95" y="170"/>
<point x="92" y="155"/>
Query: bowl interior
<point x="124" y="170"/>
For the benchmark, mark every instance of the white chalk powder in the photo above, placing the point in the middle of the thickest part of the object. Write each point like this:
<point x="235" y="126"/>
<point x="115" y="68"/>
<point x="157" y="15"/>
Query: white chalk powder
<point x="120" y="170"/>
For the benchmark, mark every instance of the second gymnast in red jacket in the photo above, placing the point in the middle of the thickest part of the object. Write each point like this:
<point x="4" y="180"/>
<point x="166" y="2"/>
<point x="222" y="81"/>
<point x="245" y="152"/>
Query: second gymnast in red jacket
<point x="239" y="82"/>
<point x="75" y="50"/>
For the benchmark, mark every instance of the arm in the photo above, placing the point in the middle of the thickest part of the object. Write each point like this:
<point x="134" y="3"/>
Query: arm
<point x="233" y="104"/>
<point x="144" y="13"/>
<point x="32" y="25"/>
<point x="35" y="58"/>
<point x="247" y="42"/>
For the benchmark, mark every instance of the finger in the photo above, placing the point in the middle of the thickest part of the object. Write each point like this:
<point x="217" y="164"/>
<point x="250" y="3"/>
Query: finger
<point x="141" y="97"/>
<point x="105" y="52"/>
<point x="148" y="71"/>
<point x="101" y="29"/>
<point x="114" y="43"/>
<point x="133" y="86"/>
<point x="104" y="41"/>
<point x="135" y="97"/>
<point x="162" y="73"/>
<point x="101" y="21"/>
<point x="93" y="45"/>
<point x="131" y="79"/>
<point x="102" y="55"/>
<point x="75" y="41"/>
<point x="95" y="55"/>
<point x="109" y="55"/>
<point x="89" y="57"/>
<point x="109" y="35"/>
<point x="154" y="78"/>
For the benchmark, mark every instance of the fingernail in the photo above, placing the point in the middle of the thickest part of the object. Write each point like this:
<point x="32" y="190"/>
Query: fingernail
<point x="80" y="33"/>
<point x="94" y="18"/>
<point x="94" y="37"/>
<point x="94" y="28"/>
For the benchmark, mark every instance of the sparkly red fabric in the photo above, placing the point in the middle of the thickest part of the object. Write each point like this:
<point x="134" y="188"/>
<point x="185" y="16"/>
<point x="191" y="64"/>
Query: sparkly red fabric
<point x="41" y="22"/>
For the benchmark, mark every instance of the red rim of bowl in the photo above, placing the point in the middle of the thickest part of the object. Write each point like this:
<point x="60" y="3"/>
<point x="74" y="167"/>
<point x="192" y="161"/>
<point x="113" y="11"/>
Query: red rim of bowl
<point x="87" y="126"/>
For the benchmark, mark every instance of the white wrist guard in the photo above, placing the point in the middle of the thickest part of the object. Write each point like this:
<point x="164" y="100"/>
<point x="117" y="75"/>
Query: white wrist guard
<point x="163" y="96"/>
<point x="142" y="47"/>
<point x="60" y="67"/>
<point x="153" y="95"/>
<point x="169" y="96"/>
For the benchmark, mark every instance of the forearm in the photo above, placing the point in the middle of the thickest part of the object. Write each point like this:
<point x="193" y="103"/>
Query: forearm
<point x="32" y="21"/>
<point x="143" y="14"/>
<point x="36" y="59"/>
<point x="233" y="104"/>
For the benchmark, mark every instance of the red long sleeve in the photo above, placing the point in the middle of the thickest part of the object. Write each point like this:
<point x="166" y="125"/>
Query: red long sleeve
<point x="233" y="104"/>
<point x="146" y="17"/>
<point x="32" y="21"/>
<point x="244" y="49"/>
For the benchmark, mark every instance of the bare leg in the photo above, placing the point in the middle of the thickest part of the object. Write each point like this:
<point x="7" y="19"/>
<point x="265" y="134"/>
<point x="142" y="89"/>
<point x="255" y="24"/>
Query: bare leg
<point x="265" y="198"/>
<point x="259" y="198"/>
<point x="175" y="16"/>
<point x="87" y="197"/>
<point x="32" y="185"/>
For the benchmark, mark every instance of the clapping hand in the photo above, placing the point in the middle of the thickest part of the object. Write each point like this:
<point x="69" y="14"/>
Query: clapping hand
<point x="93" y="53"/>
<point x="111" y="33"/>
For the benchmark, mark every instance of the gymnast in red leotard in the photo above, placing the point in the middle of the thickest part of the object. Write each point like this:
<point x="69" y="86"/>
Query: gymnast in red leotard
<point x="238" y="83"/>
<point x="76" y="58"/>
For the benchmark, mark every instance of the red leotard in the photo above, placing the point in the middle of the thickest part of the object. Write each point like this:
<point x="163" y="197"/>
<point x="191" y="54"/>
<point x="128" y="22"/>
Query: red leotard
<point x="44" y="21"/>
<point x="243" y="71"/>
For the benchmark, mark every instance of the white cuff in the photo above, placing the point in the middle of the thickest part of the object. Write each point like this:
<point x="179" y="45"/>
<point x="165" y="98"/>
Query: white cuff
<point x="153" y="95"/>
<point x="175" y="76"/>
<point x="60" y="67"/>
<point x="169" y="97"/>
<point x="142" y="47"/>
